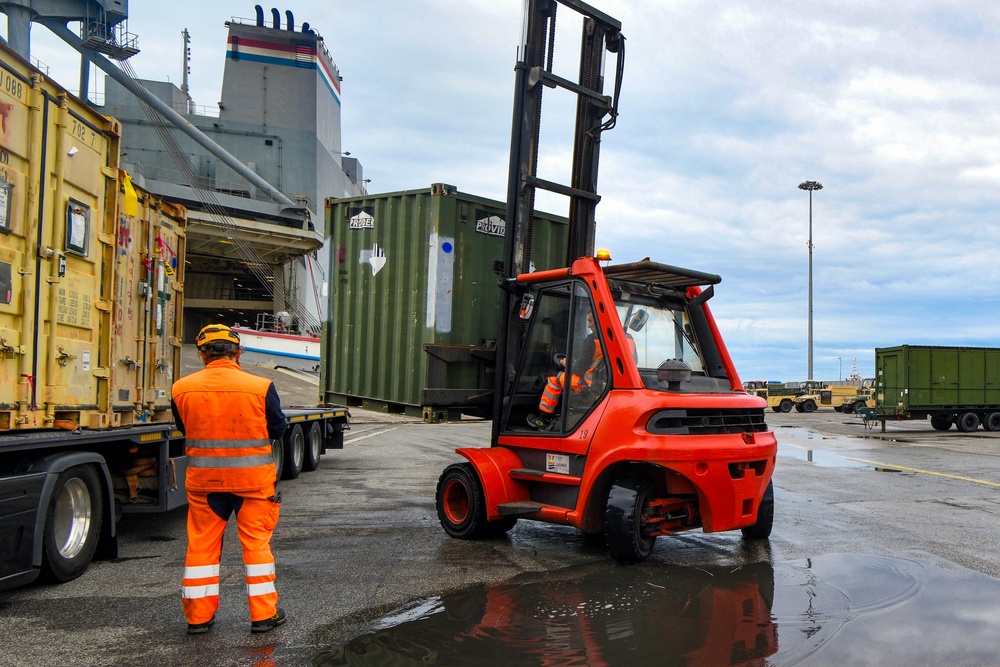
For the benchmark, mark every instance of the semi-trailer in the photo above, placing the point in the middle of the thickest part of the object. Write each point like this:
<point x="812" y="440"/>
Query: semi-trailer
<point x="949" y="385"/>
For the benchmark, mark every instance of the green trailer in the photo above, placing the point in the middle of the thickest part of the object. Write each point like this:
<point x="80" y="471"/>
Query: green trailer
<point x="949" y="385"/>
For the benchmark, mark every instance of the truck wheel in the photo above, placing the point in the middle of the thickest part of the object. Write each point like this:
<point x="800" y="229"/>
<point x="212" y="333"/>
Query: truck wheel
<point x="761" y="529"/>
<point x="295" y="452"/>
<point x="799" y="407"/>
<point x="967" y="422"/>
<point x="991" y="422"/>
<point x="461" y="505"/>
<point x="809" y="406"/>
<point x="278" y="454"/>
<point x="940" y="423"/>
<point x="785" y="405"/>
<point x="859" y="406"/>
<point x="314" y="447"/>
<point x="72" y="524"/>
<point x="847" y="408"/>
<point x="628" y="499"/>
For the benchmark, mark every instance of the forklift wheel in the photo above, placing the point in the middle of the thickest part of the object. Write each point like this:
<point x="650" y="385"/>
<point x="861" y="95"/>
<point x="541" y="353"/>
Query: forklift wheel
<point x="761" y="530"/>
<point x="461" y="506"/>
<point x="623" y="521"/>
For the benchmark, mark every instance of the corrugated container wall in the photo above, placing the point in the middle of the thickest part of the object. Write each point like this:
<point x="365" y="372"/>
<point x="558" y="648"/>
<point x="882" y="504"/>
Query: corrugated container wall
<point x="409" y="269"/>
<point x="59" y="258"/>
<point x="913" y="377"/>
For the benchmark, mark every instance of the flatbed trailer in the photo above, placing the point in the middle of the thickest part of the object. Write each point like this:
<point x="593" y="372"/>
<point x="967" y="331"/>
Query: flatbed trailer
<point x="62" y="492"/>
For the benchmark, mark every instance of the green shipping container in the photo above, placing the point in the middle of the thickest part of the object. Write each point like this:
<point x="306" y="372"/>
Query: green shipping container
<point x="413" y="299"/>
<point x="917" y="378"/>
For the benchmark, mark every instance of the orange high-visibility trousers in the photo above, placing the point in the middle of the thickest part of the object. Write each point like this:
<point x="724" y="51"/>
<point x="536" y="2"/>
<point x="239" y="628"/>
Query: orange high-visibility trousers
<point x="554" y="389"/>
<point x="208" y="513"/>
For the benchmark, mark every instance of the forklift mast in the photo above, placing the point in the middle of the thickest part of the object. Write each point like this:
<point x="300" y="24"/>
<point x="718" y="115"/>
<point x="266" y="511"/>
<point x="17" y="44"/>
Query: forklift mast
<point x="596" y="112"/>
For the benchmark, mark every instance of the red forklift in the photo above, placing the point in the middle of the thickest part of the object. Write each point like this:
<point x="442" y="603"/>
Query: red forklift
<point x="617" y="407"/>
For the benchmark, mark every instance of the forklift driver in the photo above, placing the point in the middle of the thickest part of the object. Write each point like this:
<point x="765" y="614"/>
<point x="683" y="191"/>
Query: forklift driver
<point x="555" y="384"/>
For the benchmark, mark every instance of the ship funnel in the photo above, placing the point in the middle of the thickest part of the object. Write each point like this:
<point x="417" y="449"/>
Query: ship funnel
<point x="276" y="18"/>
<point x="289" y="20"/>
<point x="305" y="27"/>
<point x="260" y="15"/>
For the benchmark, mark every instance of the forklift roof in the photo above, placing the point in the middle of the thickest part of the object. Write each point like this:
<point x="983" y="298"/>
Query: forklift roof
<point x="654" y="273"/>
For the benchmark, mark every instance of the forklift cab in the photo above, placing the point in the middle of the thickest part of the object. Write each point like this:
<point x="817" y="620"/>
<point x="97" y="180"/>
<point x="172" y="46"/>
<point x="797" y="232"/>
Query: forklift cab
<point x="562" y="348"/>
<point x="668" y="347"/>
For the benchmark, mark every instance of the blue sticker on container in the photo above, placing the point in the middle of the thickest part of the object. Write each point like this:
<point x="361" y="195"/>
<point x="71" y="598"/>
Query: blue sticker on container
<point x="446" y="246"/>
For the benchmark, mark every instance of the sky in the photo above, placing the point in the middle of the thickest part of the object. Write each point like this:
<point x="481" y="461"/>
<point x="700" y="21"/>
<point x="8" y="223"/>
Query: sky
<point x="725" y="108"/>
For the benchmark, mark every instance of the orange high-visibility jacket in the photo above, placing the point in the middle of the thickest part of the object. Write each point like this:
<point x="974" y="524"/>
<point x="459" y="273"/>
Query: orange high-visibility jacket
<point x="223" y="412"/>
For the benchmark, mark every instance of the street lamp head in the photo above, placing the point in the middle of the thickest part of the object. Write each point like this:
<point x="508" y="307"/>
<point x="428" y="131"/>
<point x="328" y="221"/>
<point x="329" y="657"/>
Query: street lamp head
<point x="810" y="185"/>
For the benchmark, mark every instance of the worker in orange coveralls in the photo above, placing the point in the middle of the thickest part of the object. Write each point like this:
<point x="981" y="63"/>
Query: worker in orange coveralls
<point x="229" y="418"/>
<point x="556" y="383"/>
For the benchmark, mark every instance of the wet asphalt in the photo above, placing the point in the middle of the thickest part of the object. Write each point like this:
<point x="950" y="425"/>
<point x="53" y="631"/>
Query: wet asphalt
<point x="874" y="532"/>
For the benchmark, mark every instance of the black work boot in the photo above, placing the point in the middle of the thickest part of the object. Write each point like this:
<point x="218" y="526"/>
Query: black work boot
<point x="200" y="628"/>
<point x="269" y="624"/>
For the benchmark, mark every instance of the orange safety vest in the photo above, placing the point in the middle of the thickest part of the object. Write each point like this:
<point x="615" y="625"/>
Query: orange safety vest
<point x="225" y="424"/>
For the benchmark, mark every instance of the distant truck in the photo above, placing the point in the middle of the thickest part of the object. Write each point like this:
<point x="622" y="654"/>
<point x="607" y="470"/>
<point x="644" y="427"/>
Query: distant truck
<point x="863" y="398"/>
<point x="779" y="397"/>
<point x="949" y="385"/>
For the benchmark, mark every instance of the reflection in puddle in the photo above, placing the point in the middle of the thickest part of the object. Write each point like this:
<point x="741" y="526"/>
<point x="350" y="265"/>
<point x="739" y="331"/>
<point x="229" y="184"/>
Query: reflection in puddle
<point x="832" y="610"/>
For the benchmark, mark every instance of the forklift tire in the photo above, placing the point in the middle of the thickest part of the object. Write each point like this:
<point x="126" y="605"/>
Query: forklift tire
<point x="461" y="505"/>
<point x="623" y="521"/>
<point x="761" y="529"/>
<point x="785" y="405"/>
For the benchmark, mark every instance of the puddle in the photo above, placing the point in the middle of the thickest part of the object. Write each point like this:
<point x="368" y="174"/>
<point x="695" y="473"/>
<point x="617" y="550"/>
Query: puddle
<point x="912" y="609"/>
<point x="819" y="457"/>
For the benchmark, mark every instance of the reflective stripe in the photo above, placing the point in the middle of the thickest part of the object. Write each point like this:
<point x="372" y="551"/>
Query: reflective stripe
<point x="196" y="592"/>
<point x="261" y="589"/>
<point x="227" y="444"/>
<point x="260" y="569"/>
<point x="201" y="571"/>
<point x="229" y="461"/>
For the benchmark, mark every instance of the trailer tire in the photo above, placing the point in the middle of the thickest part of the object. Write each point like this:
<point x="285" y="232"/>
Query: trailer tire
<point x="967" y="422"/>
<point x="314" y="447"/>
<point x="761" y="529"/>
<point x="785" y="405"/>
<point x="461" y="504"/>
<point x="939" y="423"/>
<point x="72" y="524"/>
<point x="295" y="452"/>
<point x="991" y="421"/>
<point x="278" y="454"/>
<point x="627" y="501"/>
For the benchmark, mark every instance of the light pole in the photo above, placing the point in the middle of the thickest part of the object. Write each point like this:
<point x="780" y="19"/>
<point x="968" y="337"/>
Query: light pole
<point x="810" y="186"/>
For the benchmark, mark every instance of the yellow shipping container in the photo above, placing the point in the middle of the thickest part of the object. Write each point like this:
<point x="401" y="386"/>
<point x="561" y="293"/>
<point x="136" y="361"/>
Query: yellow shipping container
<point x="90" y="268"/>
